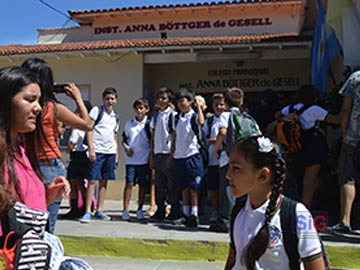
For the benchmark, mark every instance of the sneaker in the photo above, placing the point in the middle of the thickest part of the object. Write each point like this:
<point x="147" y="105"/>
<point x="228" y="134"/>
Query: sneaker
<point x="214" y="217"/>
<point x="158" y="216"/>
<point x="192" y="221"/>
<point x="101" y="215"/>
<point x="140" y="215"/>
<point x="172" y="216"/>
<point x="126" y="215"/>
<point x="86" y="218"/>
<point x="339" y="228"/>
<point x="218" y="227"/>
<point x="180" y="221"/>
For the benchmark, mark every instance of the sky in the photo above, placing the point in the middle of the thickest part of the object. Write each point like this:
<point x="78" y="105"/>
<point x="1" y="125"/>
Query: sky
<point x="20" y="19"/>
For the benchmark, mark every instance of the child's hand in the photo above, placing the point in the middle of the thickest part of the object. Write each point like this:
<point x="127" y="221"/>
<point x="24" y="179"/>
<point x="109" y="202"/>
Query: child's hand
<point x="92" y="155"/>
<point x="58" y="188"/>
<point x="129" y="152"/>
<point x="72" y="91"/>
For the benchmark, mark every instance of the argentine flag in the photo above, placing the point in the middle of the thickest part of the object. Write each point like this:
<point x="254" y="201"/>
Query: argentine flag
<point x="325" y="47"/>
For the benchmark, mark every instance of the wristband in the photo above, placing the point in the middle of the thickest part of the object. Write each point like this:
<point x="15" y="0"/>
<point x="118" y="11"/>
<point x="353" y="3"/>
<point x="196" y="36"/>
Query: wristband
<point x="126" y="148"/>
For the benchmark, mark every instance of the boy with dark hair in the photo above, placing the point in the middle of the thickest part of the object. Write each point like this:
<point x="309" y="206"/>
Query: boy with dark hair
<point x="234" y="125"/>
<point x="211" y="129"/>
<point x="165" y="184"/>
<point x="136" y="144"/>
<point x="103" y="152"/>
<point x="188" y="163"/>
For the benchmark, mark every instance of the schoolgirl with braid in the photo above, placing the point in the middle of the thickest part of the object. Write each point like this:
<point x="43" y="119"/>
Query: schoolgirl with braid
<point x="257" y="173"/>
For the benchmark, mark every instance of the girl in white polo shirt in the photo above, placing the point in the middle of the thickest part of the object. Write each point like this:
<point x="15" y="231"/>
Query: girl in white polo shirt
<point x="257" y="169"/>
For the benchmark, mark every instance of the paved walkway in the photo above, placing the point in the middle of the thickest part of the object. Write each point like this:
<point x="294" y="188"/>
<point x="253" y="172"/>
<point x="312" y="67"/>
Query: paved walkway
<point x="157" y="231"/>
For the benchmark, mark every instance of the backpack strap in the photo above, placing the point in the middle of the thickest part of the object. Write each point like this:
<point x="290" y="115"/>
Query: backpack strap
<point x="210" y="121"/>
<point x="147" y="129"/>
<point x="288" y="225"/>
<point x="171" y="123"/>
<point x="239" y="204"/>
<point x="101" y="109"/>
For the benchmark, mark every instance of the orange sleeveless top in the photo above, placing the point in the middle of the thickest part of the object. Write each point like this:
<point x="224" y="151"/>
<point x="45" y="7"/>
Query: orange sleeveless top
<point x="51" y="132"/>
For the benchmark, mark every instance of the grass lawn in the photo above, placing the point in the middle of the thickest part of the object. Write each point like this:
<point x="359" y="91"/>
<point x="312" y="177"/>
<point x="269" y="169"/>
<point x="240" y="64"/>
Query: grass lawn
<point x="340" y="256"/>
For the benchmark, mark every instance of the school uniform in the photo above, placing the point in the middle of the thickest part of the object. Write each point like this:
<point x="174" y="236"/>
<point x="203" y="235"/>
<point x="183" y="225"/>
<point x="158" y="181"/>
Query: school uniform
<point x="137" y="166"/>
<point x="314" y="148"/>
<point x="213" y="166"/>
<point x="78" y="166"/>
<point x="104" y="145"/>
<point x="165" y="182"/>
<point x="188" y="165"/>
<point x="249" y="221"/>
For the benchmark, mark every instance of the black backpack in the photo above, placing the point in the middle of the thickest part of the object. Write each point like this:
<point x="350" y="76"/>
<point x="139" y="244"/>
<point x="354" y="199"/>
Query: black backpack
<point x="197" y="129"/>
<point x="288" y="221"/>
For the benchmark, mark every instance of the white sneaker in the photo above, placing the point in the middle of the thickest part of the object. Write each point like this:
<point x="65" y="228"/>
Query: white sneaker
<point x="126" y="215"/>
<point x="140" y="214"/>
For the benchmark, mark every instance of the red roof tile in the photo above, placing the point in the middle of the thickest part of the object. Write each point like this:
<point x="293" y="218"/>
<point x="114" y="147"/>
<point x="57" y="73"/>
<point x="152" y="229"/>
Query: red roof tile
<point x="75" y="13"/>
<point x="155" y="43"/>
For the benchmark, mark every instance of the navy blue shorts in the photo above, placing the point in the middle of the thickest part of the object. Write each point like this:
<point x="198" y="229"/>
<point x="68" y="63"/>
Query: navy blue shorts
<point x="213" y="177"/>
<point x="103" y="167"/>
<point x="189" y="172"/>
<point x="138" y="174"/>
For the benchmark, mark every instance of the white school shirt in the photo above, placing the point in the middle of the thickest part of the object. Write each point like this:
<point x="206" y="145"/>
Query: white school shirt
<point x="137" y="141"/>
<point x="77" y="138"/>
<point x="309" y="117"/>
<point x="213" y="133"/>
<point x="162" y="138"/>
<point x="186" y="143"/>
<point x="249" y="221"/>
<point x="103" y="133"/>
<point x="224" y="123"/>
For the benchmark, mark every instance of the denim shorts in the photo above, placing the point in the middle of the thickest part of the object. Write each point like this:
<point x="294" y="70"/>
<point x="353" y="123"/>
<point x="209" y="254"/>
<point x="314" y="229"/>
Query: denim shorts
<point x="103" y="168"/>
<point x="138" y="174"/>
<point x="189" y="172"/>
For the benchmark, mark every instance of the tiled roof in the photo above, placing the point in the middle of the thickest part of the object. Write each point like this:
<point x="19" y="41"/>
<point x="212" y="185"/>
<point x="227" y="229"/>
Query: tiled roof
<point x="155" y="43"/>
<point x="191" y="5"/>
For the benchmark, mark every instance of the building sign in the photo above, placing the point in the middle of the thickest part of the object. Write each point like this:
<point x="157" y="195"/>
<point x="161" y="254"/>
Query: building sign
<point x="248" y="78"/>
<point x="182" y="25"/>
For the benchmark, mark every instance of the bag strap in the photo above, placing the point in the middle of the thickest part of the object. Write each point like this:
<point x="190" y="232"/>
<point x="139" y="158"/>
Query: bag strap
<point x="288" y="221"/>
<point x="100" y="114"/>
<point x="147" y="129"/>
<point x="210" y="121"/>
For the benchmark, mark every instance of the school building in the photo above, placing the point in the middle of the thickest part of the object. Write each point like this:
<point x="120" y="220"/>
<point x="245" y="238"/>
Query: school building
<point x="208" y="47"/>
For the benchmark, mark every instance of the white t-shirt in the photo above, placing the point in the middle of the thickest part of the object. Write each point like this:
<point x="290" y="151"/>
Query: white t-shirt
<point x="76" y="138"/>
<point x="103" y="133"/>
<point x="249" y="221"/>
<point x="186" y="143"/>
<point x="162" y="138"/>
<point x="309" y="117"/>
<point x="213" y="133"/>
<point x="138" y="141"/>
<point x="224" y="123"/>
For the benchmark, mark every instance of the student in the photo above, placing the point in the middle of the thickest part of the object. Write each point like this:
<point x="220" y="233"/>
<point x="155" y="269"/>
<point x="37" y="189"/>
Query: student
<point x="78" y="169"/>
<point x="48" y="152"/>
<point x="257" y="170"/>
<point x="314" y="148"/>
<point x="103" y="152"/>
<point x="136" y="144"/>
<point x="20" y="109"/>
<point x="211" y="129"/>
<point x="350" y="128"/>
<point x="234" y="98"/>
<point x="188" y="164"/>
<point x="165" y="183"/>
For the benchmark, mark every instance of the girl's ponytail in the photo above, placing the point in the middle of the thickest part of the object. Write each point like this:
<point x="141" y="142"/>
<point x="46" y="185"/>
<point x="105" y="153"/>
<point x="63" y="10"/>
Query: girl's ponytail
<point x="259" y="243"/>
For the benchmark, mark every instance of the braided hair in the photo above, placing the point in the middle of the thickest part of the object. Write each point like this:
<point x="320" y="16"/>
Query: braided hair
<point x="262" y="156"/>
